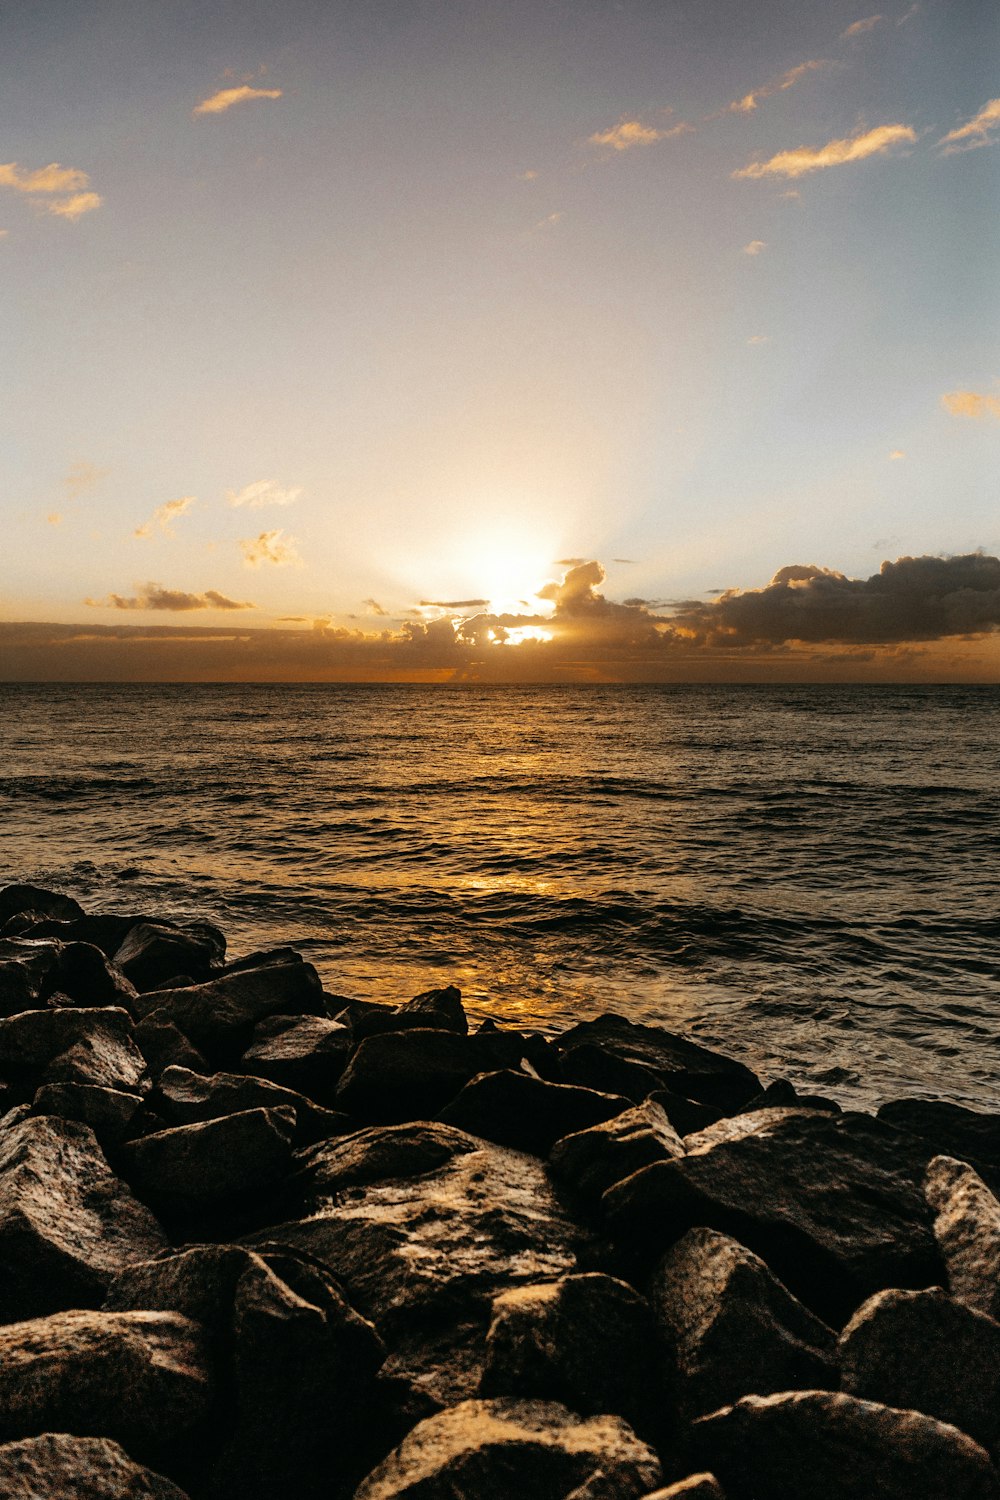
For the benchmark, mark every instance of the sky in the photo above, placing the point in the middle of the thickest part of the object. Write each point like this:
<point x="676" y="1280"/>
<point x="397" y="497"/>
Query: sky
<point x="613" y="340"/>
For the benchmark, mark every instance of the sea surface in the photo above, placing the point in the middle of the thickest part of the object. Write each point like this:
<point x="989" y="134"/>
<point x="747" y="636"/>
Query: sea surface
<point x="808" y="877"/>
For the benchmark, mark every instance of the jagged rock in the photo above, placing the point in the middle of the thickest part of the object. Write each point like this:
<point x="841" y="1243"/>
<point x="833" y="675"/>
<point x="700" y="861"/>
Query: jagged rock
<point x="70" y="1045"/>
<point x="925" y="1351"/>
<point x="219" y="1015"/>
<point x="67" y="1224"/>
<point x="680" y="1064"/>
<point x="820" y="1445"/>
<point x="593" y="1160"/>
<point x="164" y="1046"/>
<point x="140" y="1378"/>
<point x="535" y="1449"/>
<point x="34" y="900"/>
<point x="831" y="1203"/>
<point x="592" y="1067"/>
<point x="183" y="1097"/>
<point x="694" y="1487"/>
<point x="105" y="931"/>
<point x="305" y="1055"/>
<point x="948" y="1128"/>
<point x="59" y="1467"/>
<point x="439" y="1010"/>
<point x="783" y="1095"/>
<point x="195" y="1165"/>
<point x="32" y="971"/>
<point x="733" y="1128"/>
<point x="153" y="952"/>
<point x="412" y="1075"/>
<point x="378" y="1154"/>
<point x="733" y="1327"/>
<point x="686" y="1115"/>
<point x="526" y="1113"/>
<point x="108" y="1112"/>
<point x="588" y="1341"/>
<point x="423" y="1257"/>
<point x="967" y="1229"/>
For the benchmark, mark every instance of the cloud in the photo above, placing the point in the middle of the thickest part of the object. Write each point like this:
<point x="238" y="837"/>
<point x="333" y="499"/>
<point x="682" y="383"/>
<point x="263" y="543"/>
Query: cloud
<point x="50" y="179"/>
<point x="454" y="603"/>
<point x="269" y="547"/>
<point x="155" y="597"/>
<point x="529" y="176"/>
<point x="54" y="518"/>
<point x="897" y="453"/>
<point x="262" y="492"/>
<point x="788" y="80"/>
<point x="164" y="516"/>
<point x="759" y="338"/>
<point x="82" y="477"/>
<point x="550" y="220"/>
<point x="75" y="207"/>
<point x="755" y="247"/>
<point x="373" y="607"/>
<point x="971" y="404"/>
<point x="628" y="134"/>
<point x="908" y="15"/>
<point x="976" y="132"/>
<point x="859" y="28"/>
<point x="804" y="159"/>
<point x="217" y="104"/>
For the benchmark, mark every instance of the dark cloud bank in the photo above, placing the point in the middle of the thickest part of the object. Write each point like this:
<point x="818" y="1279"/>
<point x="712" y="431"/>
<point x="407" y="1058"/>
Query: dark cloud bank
<point x="920" y="618"/>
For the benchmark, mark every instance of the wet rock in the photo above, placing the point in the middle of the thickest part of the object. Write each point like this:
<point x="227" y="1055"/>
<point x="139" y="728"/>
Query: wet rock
<point x="686" y="1115"/>
<point x="733" y="1328"/>
<point x="526" y="1113"/>
<point x="70" y="1045"/>
<point x="591" y="1161"/>
<point x="783" y="1095"/>
<point x="153" y="952"/>
<point x="67" y="1224"/>
<point x="591" y="1067"/>
<point x="195" y="1165"/>
<point x="588" y="1341"/>
<point x="948" y="1128"/>
<point x="831" y="1203"/>
<point x="59" y="1467"/>
<point x="69" y="1372"/>
<point x="35" y="901"/>
<point x="412" y="1075"/>
<point x="378" y="1154"/>
<point x="694" y="1487"/>
<point x="967" y="1229"/>
<point x="439" y="1010"/>
<point x="818" y="1445"/>
<point x="106" y="931"/>
<point x="733" y="1128"/>
<point x="218" y="1016"/>
<point x="305" y="1055"/>
<point x="108" y="1112"/>
<point x="164" y="1046"/>
<point x="32" y="971"/>
<point x="534" y="1449"/>
<point x="680" y="1064"/>
<point x="924" y="1350"/>
<point x="183" y="1097"/>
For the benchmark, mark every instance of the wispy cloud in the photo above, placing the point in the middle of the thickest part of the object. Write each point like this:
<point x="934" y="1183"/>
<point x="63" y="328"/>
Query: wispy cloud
<point x="262" y="492"/>
<point x="803" y="159"/>
<point x="788" y="80"/>
<point x="75" y="206"/>
<point x="973" y="404"/>
<point x="54" y="518"/>
<point x="81" y="477"/>
<point x="755" y="247"/>
<point x="979" y="131"/>
<point x="51" y="180"/>
<point x="155" y="597"/>
<point x="628" y="134"/>
<point x="859" y="28"/>
<point x="217" y="104"/>
<point x="164" y="516"/>
<point x="897" y="453"/>
<point x="269" y="547"/>
<point x="373" y="607"/>
<point x="759" y="338"/>
<point x="551" y="220"/>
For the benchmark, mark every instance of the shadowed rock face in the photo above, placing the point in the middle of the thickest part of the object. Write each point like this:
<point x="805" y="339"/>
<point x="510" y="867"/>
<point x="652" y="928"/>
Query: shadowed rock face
<point x="192" y="1165"/>
<point x="948" y="1128"/>
<point x="379" y="1154"/>
<point x="71" y="1045"/>
<point x="413" y="1074"/>
<point x="681" y="1065"/>
<point x="32" y="971"/>
<point x="153" y="952"/>
<point x="694" y="1487"/>
<point x="513" y="1109"/>
<point x="307" y="1055"/>
<point x="967" y="1229"/>
<point x="218" y="1015"/>
<point x="34" y="901"/>
<point x="60" y="1467"/>
<point x="184" y="1097"/>
<point x="591" y="1161"/>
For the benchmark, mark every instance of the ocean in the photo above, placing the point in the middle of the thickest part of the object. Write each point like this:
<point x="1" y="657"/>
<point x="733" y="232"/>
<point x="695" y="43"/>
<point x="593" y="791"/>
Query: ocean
<point x="805" y="876"/>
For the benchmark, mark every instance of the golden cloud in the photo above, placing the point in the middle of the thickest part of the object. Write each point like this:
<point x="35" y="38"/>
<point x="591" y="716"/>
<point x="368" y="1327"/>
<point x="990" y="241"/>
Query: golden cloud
<point x="788" y="80"/>
<point x="269" y="547"/>
<point x="83" y="476"/>
<point x="74" y="207"/>
<point x="155" y="597"/>
<point x="755" y="247"/>
<point x="976" y="132"/>
<point x="803" y="159"/>
<point x="858" y="28"/>
<point x="971" y="404"/>
<point x="164" y="516"/>
<point x="217" y="104"/>
<point x="50" y="179"/>
<point x="262" y="492"/>
<point x="628" y="134"/>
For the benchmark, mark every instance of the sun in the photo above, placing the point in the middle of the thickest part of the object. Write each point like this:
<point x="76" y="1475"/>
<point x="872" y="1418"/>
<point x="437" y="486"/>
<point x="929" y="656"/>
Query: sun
<point x="507" y="570"/>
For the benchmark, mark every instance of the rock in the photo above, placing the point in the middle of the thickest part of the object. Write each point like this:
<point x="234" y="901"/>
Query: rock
<point x="379" y="1154"/>
<point x="948" y="1128"/>
<point x="218" y="1016"/>
<point x="686" y="1115"/>
<point x="536" y="1450"/>
<point x="67" y="1224"/>
<point x="967" y="1229"/>
<point x="694" y="1487"/>
<point x="413" y="1074"/>
<point x="733" y="1128"/>
<point x="733" y="1327"/>
<point x="588" y="1341"/>
<point x="592" y="1067"/>
<point x="924" y="1350"/>
<point x="423" y="1257"/>
<point x="783" y="1095"/>
<point x="59" y="1467"/>
<point x="591" y="1161"/>
<point x="33" y="899"/>
<point x="831" y="1203"/>
<point x="220" y="1160"/>
<point x="106" y="931"/>
<point x="680" y="1064"/>
<point x="820" y="1445"/>
<point x="439" y="1009"/>
<point x="108" y="1112"/>
<point x="153" y="952"/>
<point x="185" y="1098"/>
<point x="306" y="1055"/>
<point x="164" y="1046"/>
<point x="528" y="1114"/>
<point x="69" y="1372"/>
<point x="32" y="971"/>
<point x="89" y="1046"/>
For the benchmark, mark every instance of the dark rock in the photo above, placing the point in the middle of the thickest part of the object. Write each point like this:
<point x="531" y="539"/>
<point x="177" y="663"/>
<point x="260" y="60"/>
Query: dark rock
<point x="378" y="1154"/>
<point x="831" y="1203"/>
<point x="108" y="1112"/>
<point x="820" y="1445"/>
<point x="948" y="1128"/>
<point x="694" y="1487"/>
<point x="536" y="1450"/>
<point x="218" y="1016"/>
<point x="70" y="1046"/>
<point x="588" y="1341"/>
<point x="439" y="1010"/>
<point x="59" y="1467"/>
<point x="194" y="1165"/>
<point x="106" y="931"/>
<point x="305" y="1055"/>
<point x="783" y="1095"/>
<point x="681" y="1065"/>
<point x="591" y="1161"/>
<point x="592" y="1067"/>
<point x="164" y="1046"/>
<point x="33" y="971"/>
<point x="264" y="958"/>
<point x="967" y="1229"/>
<point x="526" y="1113"/>
<point x="140" y="1378"/>
<point x="733" y="1327"/>
<point x="925" y="1351"/>
<point x="686" y="1115"/>
<point x="15" y="899"/>
<point x="153" y="952"/>
<point x="183" y="1097"/>
<point x="733" y="1128"/>
<point x="67" y="1225"/>
<point x="412" y="1075"/>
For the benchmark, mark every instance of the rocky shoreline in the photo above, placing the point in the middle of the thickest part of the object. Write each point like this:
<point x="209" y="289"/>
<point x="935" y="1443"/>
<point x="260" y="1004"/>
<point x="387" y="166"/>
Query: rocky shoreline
<point x="258" y="1240"/>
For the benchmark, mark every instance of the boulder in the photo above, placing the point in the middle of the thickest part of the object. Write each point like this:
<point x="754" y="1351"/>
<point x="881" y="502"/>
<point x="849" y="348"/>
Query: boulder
<point x="59" y="1467"/>
<point x="967" y="1229"/>
<point x="680" y="1064"/>
<point x="439" y="1009"/>
<point x="218" y="1016"/>
<point x="821" y="1445"/>
<point x="948" y="1129"/>
<point x="783" y="1095"/>
<point x="67" y="1224"/>
<point x="379" y="1154"/>
<point x="924" y="1350"/>
<point x="537" y="1450"/>
<point x="164" y="1046"/>
<point x="105" y="931"/>
<point x="216" y="1161"/>
<point x="108" y="1112"/>
<point x="35" y="900"/>
<point x="733" y="1128"/>
<point x="153" y="952"/>
<point x="183" y="1097"/>
<point x="33" y="970"/>
<point x="413" y="1074"/>
<point x="591" y="1161"/>
<point x="694" y="1487"/>
<point x="733" y="1328"/>
<point x="71" y="1045"/>
<point x="591" y="1067"/>
<point x="305" y="1055"/>
<point x="526" y="1113"/>
<point x="830" y="1202"/>
<point x="588" y="1341"/>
